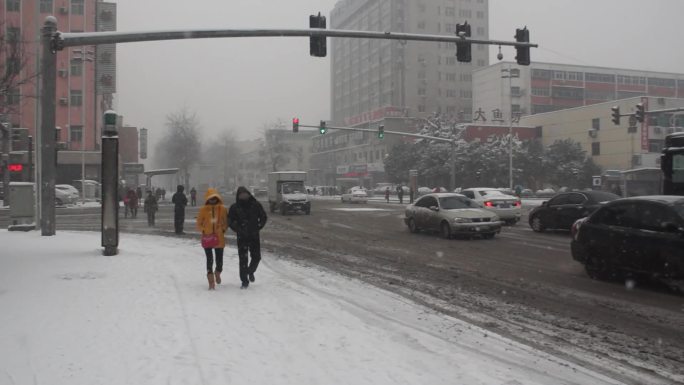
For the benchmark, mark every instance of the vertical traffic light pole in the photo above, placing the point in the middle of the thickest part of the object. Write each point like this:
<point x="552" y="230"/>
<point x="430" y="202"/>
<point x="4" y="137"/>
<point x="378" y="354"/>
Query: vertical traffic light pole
<point x="110" y="185"/>
<point x="46" y="139"/>
<point x="4" y="163"/>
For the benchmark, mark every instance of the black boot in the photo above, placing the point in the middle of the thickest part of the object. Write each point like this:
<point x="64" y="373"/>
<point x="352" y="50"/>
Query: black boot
<point x="244" y="285"/>
<point x="251" y="277"/>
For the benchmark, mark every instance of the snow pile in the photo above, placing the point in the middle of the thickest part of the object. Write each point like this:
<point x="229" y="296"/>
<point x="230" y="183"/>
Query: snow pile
<point x="71" y="316"/>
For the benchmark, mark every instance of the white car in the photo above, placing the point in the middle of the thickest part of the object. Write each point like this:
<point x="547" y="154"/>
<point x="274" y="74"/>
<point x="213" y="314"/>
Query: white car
<point x="355" y="196"/>
<point x="507" y="207"/>
<point x="64" y="196"/>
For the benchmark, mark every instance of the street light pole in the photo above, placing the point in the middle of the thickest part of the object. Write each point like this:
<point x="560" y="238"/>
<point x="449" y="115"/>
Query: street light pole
<point x="510" y="77"/>
<point x="48" y="168"/>
<point x="83" y="58"/>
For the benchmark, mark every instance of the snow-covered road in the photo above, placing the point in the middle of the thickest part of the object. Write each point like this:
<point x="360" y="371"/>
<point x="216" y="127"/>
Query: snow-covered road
<point x="70" y="316"/>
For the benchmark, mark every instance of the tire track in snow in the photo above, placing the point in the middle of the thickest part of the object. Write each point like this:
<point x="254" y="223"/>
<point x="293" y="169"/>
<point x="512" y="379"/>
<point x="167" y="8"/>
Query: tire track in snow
<point x="188" y="331"/>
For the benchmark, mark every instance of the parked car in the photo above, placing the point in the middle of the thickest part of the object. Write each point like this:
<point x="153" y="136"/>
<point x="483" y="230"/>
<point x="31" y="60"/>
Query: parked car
<point x="564" y="209"/>
<point x="355" y="196"/>
<point x="451" y="214"/>
<point x="423" y="191"/>
<point x="64" y="197"/>
<point x="506" y="207"/>
<point x="527" y="193"/>
<point x="640" y="236"/>
<point x="73" y="191"/>
<point x="545" y="193"/>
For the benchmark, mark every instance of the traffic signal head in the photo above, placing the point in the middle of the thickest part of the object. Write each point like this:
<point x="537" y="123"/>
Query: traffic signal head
<point x="640" y="113"/>
<point x="381" y="132"/>
<point x="463" y="49"/>
<point x="295" y="125"/>
<point x="317" y="44"/>
<point x="522" y="53"/>
<point x="616" y="115"/>
<point x="322" y="127"/>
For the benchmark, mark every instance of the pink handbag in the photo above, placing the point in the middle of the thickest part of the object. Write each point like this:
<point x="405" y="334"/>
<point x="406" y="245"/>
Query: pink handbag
<point x="210" y="241"/>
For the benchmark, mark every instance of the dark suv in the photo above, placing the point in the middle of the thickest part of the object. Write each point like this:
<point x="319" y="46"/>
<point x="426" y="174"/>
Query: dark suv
<point x="561" y="211"/>
<point x="641" y="235"/>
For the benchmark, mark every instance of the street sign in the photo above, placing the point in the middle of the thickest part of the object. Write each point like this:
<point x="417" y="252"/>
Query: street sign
<point x="133" y="168"/>
<point x="596" y="181"/>
<point x="143" y="143"/>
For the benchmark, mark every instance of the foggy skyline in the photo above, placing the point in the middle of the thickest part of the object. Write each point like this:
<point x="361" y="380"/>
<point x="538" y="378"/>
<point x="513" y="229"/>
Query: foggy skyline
<point x="244" y="83"/>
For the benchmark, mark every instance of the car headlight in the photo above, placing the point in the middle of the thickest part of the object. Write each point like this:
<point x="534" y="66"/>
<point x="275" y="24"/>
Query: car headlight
<point x="462" y="220"/>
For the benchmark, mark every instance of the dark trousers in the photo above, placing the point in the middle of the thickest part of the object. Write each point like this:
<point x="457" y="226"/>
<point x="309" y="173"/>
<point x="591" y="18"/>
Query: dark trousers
<point x="193" y="201"/>
<point x="179" y="220"/>
<point x="249" y="245"/>
<point x="150" y="218"/>
<point x="210" y="260"/>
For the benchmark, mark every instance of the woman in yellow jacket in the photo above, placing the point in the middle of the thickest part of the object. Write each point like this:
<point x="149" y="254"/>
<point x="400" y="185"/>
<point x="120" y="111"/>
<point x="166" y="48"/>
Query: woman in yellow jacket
<point x="212" y="222"/>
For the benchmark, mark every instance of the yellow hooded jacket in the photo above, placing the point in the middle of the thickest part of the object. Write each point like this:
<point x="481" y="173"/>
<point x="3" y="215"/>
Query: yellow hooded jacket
<point x="213" y="218"/>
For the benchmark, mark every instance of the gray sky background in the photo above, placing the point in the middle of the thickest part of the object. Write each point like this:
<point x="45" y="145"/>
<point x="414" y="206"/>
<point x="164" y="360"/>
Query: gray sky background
<point x="244" y="83"/>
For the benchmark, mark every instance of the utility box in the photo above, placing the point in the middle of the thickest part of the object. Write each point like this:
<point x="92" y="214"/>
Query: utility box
<point x="22" y="203"/>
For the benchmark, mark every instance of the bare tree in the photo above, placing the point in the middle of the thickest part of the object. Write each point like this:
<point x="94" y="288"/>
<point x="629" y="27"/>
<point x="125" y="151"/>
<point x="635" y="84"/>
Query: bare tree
<point x="14" y="71"/>
<point x="225" y="154"/>
<point x="181" y="146"/>
<point x="276" y="152"/>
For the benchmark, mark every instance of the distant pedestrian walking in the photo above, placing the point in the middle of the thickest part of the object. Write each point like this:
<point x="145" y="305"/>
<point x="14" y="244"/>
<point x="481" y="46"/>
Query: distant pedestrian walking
<point x="212" y="222"/>
<point x="133" y="203"/>
<point x="246" y="218"/>
<point x="193" y="197"/>
<point x="387" y="195"/>
<point x="179" y="201"/>
<point x="400" y="194"/>
<point x="139" y="194"/>
<point x="151" y="206"/>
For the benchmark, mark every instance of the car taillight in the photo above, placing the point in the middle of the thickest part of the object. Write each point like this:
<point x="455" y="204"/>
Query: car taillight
<point x="489" y="204"/>
<point x="517" y="204"/>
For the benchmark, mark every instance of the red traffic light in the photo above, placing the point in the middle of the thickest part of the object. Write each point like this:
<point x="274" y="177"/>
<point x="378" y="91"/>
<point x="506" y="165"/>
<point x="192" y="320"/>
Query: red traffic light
<point x="295" y="124"/>
<point x="15" y="167"/>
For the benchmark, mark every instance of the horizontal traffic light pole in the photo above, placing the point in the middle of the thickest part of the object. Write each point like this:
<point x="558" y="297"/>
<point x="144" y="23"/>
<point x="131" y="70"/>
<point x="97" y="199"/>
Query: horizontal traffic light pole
<point x="406" y="134"/>
<point x="72" y="39"/>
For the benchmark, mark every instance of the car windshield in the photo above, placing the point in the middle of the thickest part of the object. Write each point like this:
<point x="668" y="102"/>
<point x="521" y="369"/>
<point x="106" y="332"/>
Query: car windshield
<point x="293" y="188"/>
<point x="455" y="203"/>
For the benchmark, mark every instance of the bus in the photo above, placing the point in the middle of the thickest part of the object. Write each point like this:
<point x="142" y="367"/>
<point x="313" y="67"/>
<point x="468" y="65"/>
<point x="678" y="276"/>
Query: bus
<point x="672" y="164"/>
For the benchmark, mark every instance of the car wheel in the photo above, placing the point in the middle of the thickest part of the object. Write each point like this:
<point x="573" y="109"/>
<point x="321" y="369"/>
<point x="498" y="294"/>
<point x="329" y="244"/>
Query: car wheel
<point x="536" y="224"/>
<point x="412" y="226"/>
<point x="446" y="230"/>
<point x="598" y="268"/>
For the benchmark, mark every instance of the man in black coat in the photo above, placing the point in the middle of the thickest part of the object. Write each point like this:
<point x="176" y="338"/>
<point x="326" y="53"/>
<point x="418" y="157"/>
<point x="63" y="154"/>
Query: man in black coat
<point x="179" y="201"/>
<point x="246" y="218"/>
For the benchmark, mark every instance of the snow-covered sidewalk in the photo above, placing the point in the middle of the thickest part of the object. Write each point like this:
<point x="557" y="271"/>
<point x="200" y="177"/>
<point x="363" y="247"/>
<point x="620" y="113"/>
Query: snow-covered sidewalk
<point x="70" y="316"/>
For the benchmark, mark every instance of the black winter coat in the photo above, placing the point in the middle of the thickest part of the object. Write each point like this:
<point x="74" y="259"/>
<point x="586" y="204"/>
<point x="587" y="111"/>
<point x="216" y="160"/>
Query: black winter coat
<point x="248" y="218"/>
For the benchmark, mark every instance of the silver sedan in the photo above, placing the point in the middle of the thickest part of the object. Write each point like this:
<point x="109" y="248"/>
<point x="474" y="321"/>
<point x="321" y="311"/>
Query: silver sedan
<point x="451" y="214"/>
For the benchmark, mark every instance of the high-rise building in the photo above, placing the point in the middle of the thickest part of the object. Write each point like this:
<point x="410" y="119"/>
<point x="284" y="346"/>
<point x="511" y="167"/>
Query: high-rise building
<point x="86" y="76"/>
<point x="373" y="79"/>
<point x="547" y="87"/>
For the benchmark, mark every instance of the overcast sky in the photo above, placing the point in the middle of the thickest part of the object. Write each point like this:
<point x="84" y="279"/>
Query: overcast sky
<point x="244" y="83"/>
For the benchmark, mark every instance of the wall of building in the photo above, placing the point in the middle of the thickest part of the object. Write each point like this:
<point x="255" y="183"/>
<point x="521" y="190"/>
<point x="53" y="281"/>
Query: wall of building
<point x="611" y="146"/>
<point x="371" y="78"/>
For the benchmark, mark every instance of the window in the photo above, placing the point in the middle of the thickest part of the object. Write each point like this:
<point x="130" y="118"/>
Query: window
<point x="421" y="108"/>
<point x="600" y="78"/>
<point x="77" y="7"/>
<point x="466" y="77"/>
<point x="13" y="34"/>
<point x="480" y="31"/>
<point x="660" y="82"/>
<point x="540" y="91"/>
<point x="515" y="91"/>
<point x="421" y="91"/>
<point x="450" y="28"/>
<point x="466" y="94"/>
<point x="515" y="108"/>
<point x="654" y="216"/>
<point x="656" y="145"/>
<point x="451" y="93"/>
<point x="451" y="77"/>
<point x="560" y="200"/>
<point x="13" y="96"/>
<point x="13" y="5"/>
<point x="450" y="11"/>
<point x="46" y="6"/>
<point x="568" y="93"/>
<point x="596" y="123"/>
<point x="76" y="67"/>
<point x="13" y="66"/>
<point x="596" y="149"/>
<point x="468" y="194"/>
<point x="422" y="7"/>
<point x="451" y="61"/>
<point x="480" y="14"/>
<point x="541" y="74"/>
<point x="76" y="133"/>
<point x="76" y="97"/>
<point x="480" y="63"/>
<point x="421" y="25"/>
<point x="467" y="13"/>
<point x="576" y="199"/>
<point x="427" y="202"/>
<point x="620" y="215"/>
